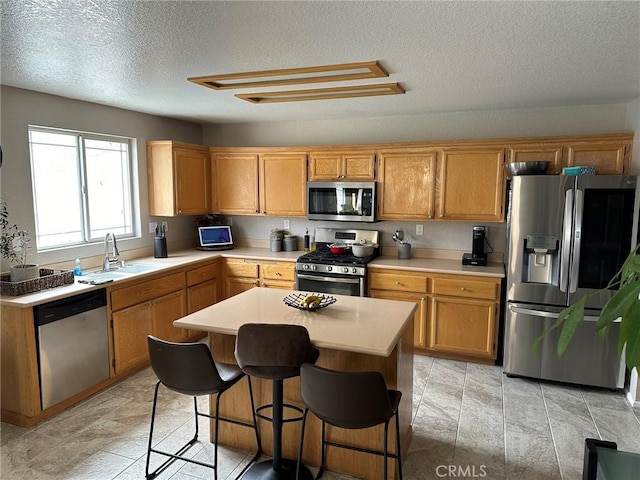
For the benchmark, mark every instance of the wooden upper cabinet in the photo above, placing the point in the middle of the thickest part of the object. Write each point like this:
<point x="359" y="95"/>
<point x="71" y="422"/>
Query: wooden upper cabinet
<point x="537" y="152"/>
<point x="283" y="184"/>
<point x="327" y="166"/>
<point x="470" y="184"/>
<point x="235" y="183"/>
<point x="406" y="184"/>
<point x="178" y="176"/>
<point x="609" y="157"/>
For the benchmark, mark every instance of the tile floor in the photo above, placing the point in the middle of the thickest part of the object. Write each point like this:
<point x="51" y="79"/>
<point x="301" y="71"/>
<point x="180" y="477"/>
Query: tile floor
<point x="470" y="421"/>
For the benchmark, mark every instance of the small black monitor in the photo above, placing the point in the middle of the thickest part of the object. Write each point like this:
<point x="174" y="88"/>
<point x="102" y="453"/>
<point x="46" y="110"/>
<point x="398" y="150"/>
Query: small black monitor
<point x="215" y="237"/>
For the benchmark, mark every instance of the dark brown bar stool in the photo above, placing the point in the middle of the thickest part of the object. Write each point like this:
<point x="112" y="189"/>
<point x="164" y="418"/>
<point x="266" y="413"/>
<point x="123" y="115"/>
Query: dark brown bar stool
<point x="275" y="352"/>
<point x="189" y="369"/>
<point x="350" y="400"/>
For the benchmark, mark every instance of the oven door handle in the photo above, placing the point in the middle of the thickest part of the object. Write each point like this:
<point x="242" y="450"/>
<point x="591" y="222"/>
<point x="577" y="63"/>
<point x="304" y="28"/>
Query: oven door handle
<point x="329" y="279"/>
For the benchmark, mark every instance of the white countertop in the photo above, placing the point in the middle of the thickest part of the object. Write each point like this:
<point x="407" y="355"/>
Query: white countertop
<point x="186" y="257"/>
<point x="353" y="324"/>
<point x="437" y="265"/>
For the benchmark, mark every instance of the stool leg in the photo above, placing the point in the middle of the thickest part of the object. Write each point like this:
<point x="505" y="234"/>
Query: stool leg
<point x="277" y="423"/>
<point x="398" y="446"/>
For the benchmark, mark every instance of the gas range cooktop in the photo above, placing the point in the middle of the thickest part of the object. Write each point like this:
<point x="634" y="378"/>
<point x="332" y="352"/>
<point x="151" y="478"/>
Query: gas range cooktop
<point x="324" y="262"/>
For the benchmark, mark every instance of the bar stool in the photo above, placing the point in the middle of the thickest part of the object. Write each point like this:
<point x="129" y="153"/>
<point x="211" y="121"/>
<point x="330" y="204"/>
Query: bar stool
<point x="189" y="369"/>
<point x="275" y="352"/>
<point x="349" y="400"/>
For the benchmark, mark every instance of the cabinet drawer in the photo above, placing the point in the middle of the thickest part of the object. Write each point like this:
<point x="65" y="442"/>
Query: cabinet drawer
<point x="242" y="270"/>
<point x="463" y="287"/>
<point x="145" y="291"/>
<point x="278" y="272"/>
<point x="403" y="282"/>
<point x="202" y="274"/>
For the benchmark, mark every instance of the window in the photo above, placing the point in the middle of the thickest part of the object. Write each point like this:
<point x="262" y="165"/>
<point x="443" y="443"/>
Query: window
<point x="82" y="186"/>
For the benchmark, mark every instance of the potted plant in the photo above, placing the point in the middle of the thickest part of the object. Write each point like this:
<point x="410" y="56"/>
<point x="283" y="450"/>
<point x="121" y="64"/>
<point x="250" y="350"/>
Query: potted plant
<point x="14" y="244"/>
<point x="624" y="305"/>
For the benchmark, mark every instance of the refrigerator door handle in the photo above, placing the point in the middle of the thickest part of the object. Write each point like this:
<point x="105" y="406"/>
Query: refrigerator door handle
<point x="566" y="241"/>
<point x="545" y="314"/>
<point x="577" y="232"/>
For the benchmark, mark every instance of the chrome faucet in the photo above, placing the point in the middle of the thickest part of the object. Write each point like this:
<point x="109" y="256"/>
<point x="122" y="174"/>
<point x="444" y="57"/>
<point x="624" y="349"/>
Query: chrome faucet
<point x="115" y="254"/>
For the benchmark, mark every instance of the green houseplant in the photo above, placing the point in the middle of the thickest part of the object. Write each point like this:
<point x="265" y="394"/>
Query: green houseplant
<point x="14" y="246"/>
<point x="624" y="304"/>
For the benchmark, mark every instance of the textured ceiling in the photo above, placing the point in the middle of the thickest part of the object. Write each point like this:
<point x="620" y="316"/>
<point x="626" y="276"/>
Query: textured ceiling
<point x="449" y="56"/>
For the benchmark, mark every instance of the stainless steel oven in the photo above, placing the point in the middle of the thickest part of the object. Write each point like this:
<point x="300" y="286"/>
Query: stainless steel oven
<point x="321" y="271"/>
<point x="341" y="201"/>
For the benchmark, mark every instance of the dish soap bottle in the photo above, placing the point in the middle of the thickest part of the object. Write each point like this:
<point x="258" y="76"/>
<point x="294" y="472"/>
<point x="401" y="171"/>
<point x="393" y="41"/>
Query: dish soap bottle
<point x="78" y="270"/>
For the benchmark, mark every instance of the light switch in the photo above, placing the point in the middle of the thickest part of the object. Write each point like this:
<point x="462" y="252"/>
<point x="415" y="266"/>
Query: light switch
<point x="152" y="227"/>
<point x="287" y="224"/>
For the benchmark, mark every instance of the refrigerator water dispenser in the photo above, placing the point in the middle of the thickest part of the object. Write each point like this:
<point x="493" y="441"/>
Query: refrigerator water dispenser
<point x="541" y="259"/>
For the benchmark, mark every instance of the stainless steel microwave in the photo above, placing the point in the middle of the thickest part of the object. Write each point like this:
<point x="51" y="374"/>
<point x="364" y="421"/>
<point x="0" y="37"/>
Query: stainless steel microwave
<point x="341" y="201"/>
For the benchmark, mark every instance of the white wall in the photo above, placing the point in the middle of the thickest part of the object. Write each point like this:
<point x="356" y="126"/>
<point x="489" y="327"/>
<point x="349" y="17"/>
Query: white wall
<point x="446" y="126"/>
<point x="23" y="107"/>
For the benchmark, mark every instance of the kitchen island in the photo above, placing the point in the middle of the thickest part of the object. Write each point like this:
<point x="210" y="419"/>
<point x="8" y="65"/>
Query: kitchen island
<point x="353" y="334"/>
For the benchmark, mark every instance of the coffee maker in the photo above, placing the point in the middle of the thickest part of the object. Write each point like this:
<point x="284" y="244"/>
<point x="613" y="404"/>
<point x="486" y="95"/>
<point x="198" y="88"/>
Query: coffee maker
<point x="477" y="256"/>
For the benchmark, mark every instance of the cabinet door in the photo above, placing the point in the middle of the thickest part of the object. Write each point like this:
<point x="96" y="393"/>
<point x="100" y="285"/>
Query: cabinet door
<point x="324" y="166"/>
<point x="538" y="152"/>
<point x="283" y="180"/>
<point x="202" y="295"/>
<point x="609" y="158"/>
<point x="130" y="329"/>
<point x="359" y="166"/>
<point x="236" y="183"/>
<point x="463" y="326"/>
<point x="235" y="285"/>
<point x="420" y="316"/>
<point x="405" y="184"/>
<point x="470" y="185"/>
<point x="165" y="310"/>
<point x="191" y="181"/>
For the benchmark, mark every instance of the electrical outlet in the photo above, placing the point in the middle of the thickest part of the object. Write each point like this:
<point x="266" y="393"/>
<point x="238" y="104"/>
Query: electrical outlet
<point x="152" y="227"/>
<point x="165" y="226"/>
<point x="287" y="224"/>
<point x="419" y="229"/>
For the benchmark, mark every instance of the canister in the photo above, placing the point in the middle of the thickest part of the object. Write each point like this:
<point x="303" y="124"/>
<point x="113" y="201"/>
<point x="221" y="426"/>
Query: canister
<point x="275" y="240"/>
<point x="290" y="243"/>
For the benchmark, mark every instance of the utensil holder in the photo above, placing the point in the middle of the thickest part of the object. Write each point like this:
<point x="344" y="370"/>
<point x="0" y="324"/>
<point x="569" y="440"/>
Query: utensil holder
<point x="404" y="251"/>
<point x="160" y="247"/>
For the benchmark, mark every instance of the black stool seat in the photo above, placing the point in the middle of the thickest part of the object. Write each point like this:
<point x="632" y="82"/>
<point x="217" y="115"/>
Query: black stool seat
<point x="189" y="369"/>
<point x="350" y="400"/>
<point x="275" y="352"/>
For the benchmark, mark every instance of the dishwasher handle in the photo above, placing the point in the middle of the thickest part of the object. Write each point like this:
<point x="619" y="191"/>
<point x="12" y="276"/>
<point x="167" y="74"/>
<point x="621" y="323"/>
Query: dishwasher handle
<point x="67" y="307"/>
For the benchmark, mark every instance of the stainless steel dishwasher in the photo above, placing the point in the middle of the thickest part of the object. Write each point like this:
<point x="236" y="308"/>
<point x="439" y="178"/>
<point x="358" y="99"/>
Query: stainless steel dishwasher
<point x="73" y="345"/>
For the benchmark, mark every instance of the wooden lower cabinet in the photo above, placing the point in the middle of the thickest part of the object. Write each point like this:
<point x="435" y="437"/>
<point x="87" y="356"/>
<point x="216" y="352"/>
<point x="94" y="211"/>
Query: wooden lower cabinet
<point x="242" y="275"/>
<point x="457" y="315"/>
<point x="132" y="325"/>
<point x="463" y="326"/>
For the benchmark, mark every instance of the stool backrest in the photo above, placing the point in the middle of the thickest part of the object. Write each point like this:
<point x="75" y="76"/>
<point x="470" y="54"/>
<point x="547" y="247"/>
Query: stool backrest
<point x="345" y="399"/>
<point x="273" y="351"/>
<point x="186" y="368"/>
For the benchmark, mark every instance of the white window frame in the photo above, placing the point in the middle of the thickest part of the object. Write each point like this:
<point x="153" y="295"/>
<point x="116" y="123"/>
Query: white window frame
<point x="131" y="205"/>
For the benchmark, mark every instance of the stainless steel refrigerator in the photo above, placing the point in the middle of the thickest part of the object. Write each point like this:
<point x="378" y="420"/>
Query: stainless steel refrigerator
<point x="567" y="237"/>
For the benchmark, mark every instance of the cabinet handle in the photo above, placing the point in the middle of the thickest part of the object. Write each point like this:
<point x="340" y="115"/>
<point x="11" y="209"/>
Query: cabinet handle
<point x="462" y="289"/>
<point x="337" y="176"/>
<point x="398" y="283"/>
<point x="255" y="282"/>
<point x="278" y="274"/>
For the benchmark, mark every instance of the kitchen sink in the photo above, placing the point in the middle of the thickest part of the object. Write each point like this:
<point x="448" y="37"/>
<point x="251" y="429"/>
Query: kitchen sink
<point x="131" y="268"/>
<point x="121" y="272"/>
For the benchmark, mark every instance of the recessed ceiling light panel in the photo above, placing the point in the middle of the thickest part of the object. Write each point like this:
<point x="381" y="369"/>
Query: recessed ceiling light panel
<point x="293" y="76"/>
<point x="323" y="93"/>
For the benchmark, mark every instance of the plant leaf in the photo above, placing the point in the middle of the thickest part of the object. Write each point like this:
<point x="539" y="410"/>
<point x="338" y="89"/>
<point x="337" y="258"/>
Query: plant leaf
<point x="574" y="311"/>
<point x="631" y="327"/>
<point x="617" y="306"/>
<point x="573" y="320"/>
